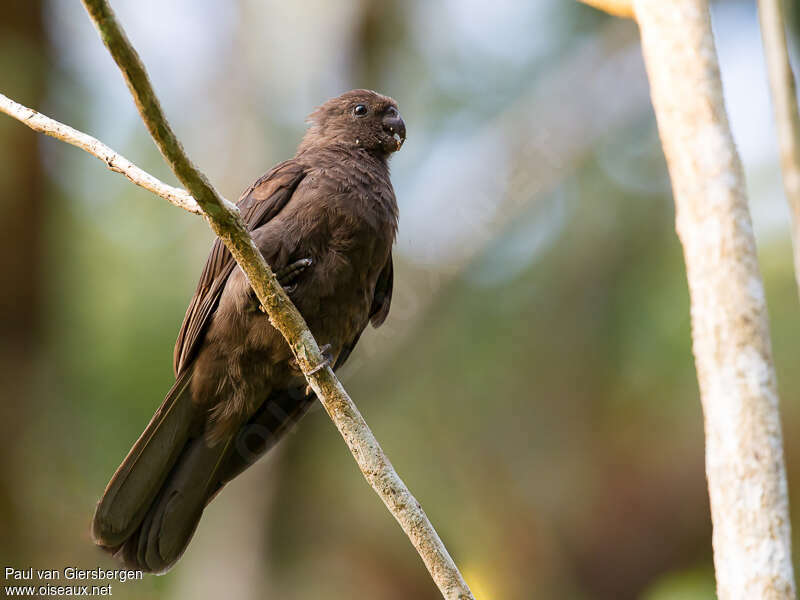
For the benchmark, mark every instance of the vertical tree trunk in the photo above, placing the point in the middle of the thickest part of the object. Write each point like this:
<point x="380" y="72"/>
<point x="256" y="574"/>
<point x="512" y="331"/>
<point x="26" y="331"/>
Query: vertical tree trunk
<point x="22" y="37"/>
<point x="744" y="454"/>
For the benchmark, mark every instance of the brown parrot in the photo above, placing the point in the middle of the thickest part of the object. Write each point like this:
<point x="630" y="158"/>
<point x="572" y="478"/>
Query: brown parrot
<point x="325" y="221"/>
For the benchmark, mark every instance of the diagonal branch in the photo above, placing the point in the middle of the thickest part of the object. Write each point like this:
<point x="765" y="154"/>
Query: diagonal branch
<point x="784" y="98"/>
<point x="224" y="219"/>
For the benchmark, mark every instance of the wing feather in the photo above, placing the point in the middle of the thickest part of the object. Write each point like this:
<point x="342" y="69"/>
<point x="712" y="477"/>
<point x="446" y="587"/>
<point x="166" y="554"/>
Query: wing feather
<point x="259" y="203"/>
<point x="382" y="299"/>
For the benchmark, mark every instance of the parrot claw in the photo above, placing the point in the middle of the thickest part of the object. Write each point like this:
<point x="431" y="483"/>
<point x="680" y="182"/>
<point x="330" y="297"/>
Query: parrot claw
<point x="288" y="275"/>
<point x="327" y="359"/>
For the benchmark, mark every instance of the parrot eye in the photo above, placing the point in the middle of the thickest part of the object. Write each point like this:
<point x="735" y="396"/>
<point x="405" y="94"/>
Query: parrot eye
<point x="360" y="110"/>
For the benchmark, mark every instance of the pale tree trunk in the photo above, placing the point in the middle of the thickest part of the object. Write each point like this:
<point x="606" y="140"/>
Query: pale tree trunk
<point x="731" y="342"/>
<point x="730" y="330"/>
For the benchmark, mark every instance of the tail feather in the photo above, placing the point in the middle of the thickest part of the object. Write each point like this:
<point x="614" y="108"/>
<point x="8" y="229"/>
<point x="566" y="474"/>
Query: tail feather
<point x="171" y="520"/>
<point x="140" y="476"/>
<point x="152" y="505"/>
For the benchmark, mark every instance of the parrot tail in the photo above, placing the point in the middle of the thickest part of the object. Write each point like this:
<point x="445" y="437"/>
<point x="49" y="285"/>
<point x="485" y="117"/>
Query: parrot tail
<point x="172" y="518"/>
<point x="154" y="501"/>
<point x="152" y="504"/>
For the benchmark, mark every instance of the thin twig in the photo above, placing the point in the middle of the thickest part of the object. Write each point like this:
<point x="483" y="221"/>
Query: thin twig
<point x="784" y="98"/>
<point x="730" y="328"/>
<point x="283" y="315"/>
<point x="113" y="160"/>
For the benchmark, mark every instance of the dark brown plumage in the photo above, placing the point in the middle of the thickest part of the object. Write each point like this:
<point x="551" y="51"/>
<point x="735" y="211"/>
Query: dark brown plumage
<point x="325" y="221"/>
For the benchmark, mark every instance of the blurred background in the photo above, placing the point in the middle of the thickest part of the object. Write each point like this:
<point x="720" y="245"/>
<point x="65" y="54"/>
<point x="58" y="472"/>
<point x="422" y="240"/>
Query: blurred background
<point x="534" y="383"/>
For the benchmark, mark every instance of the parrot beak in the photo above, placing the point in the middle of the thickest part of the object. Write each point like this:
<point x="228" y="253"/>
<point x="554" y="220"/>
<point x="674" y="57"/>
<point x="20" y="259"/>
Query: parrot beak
<point x="396" y="127"/>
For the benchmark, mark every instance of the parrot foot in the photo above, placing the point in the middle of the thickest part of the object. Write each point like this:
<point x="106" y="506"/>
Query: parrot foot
<point x="288" y="275"/>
